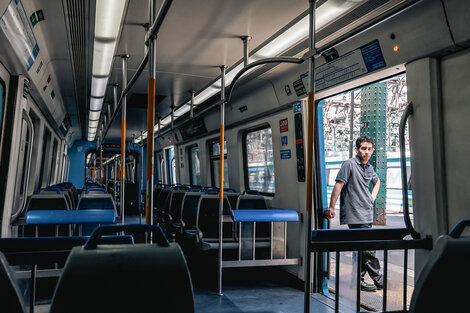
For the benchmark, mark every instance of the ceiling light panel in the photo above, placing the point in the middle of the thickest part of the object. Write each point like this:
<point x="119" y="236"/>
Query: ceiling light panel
<point x="165" y="121"/>
<point x="98" y="86"/>
<point x="181" y="110"/>
<point x="96" y="104"/>
<point x="93" y="124"/>
<point x="103" y="55"/>
<point x="205" y="94"/>
<point x="94" y="115"/>
<point x="108" y="18"/>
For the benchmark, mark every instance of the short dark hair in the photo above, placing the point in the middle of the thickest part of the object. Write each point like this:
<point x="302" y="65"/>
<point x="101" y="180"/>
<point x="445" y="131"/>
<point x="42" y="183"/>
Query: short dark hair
<point x="362" y="139"/>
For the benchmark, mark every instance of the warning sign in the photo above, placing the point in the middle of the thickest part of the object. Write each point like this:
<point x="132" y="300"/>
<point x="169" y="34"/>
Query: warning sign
<point x="283" y="125"/>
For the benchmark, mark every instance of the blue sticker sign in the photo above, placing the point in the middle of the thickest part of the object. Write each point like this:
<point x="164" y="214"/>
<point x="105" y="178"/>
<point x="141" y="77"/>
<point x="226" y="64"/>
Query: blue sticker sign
<point x="284" y="140"/>
<point x="297" y="106"/>
<point x="285" y="154"/>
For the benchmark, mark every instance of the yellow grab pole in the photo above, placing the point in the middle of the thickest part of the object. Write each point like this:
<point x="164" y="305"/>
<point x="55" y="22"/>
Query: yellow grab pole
<point x="151" y="116"/>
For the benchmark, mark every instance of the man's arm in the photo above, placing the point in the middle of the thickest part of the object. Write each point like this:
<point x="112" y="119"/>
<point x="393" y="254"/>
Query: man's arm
<point x="375" y="189"/>
<point x="330" y="212"/>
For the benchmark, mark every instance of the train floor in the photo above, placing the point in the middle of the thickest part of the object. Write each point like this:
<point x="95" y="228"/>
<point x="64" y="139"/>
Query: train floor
<point x="256" y="290"/>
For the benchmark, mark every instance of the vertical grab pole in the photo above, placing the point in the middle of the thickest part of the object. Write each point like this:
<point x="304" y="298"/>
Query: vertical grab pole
<point x="123" y="136"/>
<point x="150" y="118"/>
<point x="191" y="112"/>
<point x="221" y="183"/>
<point x="245" y="49"/>
<point x="310" y="136"/>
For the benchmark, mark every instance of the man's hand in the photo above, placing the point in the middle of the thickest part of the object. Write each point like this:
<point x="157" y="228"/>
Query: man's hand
<point x="329" y="213"/>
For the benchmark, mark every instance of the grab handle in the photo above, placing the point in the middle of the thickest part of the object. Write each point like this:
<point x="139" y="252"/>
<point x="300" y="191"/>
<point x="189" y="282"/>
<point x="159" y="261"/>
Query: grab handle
<point x="404" y="179"/>
<point x="159" y="236"/>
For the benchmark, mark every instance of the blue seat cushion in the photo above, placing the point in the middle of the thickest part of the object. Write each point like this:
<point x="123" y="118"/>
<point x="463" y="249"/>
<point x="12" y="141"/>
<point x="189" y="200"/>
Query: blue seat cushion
<point x="265" y="216"/>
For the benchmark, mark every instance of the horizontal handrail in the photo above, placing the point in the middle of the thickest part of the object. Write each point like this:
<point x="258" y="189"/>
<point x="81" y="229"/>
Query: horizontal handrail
<point x="363" y="245"/>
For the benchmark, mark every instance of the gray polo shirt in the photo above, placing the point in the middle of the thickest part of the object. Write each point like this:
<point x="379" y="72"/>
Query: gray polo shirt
<point x="356" y="206"/>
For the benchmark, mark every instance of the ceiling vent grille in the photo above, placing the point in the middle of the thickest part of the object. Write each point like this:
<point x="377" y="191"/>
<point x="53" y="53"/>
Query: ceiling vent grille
<point x="77" y="16"/>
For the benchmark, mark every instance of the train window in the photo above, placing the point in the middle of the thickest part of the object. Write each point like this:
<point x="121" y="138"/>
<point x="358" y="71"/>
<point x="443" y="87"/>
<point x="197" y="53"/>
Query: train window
<point x="24" y="163"/>
<point x="54" y="159"/>
<point x="171" y="165"/>
<point x="45" y="167"/>
<point x="37" y="152"/>
<point x="194" y="166"/>
<point x="259" y="161"/>
<point x="215" y="163"/>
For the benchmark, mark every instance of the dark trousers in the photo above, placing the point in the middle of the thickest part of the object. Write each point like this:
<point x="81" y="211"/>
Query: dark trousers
<point x="369" y="262"/>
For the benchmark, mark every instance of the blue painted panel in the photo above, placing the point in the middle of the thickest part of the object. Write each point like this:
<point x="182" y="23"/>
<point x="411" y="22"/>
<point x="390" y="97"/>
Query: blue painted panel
<point x="77" y="162"/>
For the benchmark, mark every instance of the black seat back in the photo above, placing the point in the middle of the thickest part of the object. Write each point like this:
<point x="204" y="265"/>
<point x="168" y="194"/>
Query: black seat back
<point x="175" y="203"/>
<point x="232" y="198"/>
<point x="443" y="283"/>
<point x="251" y="202"/>
<point x="189" y="208"/>
<point x="208" y="217"/>
<point x="46" y="201"/>
<point x="124" y="278"/>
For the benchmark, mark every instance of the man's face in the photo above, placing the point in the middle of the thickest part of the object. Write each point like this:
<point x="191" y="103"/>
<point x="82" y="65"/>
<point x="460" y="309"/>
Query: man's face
<point x="365" y="151"/>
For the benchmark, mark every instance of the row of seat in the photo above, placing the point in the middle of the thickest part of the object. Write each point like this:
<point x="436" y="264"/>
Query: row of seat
<point x="94" y="275"/>
<point x="192" y="215"/>
<point x="65" y="196"/>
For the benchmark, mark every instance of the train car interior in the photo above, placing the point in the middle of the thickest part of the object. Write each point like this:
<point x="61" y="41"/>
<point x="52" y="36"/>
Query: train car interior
<point x="210" y="156"/>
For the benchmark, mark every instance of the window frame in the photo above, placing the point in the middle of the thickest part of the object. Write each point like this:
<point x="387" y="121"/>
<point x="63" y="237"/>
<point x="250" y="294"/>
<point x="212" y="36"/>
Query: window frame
<point x="245" y="157"/>
<point x="191" y="165"/>
<point x="213" y="158"/>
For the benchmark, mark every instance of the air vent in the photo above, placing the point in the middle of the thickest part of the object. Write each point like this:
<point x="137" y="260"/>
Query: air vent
<point x="77" y="15"/>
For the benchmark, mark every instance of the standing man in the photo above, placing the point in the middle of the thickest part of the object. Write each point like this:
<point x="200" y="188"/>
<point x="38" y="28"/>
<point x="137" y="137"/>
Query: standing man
<point x="356" y="203"/>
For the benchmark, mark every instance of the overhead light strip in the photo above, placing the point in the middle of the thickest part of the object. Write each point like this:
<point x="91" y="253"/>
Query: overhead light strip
<point x="325" y="14"/>
<point x="108" y="19"/>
